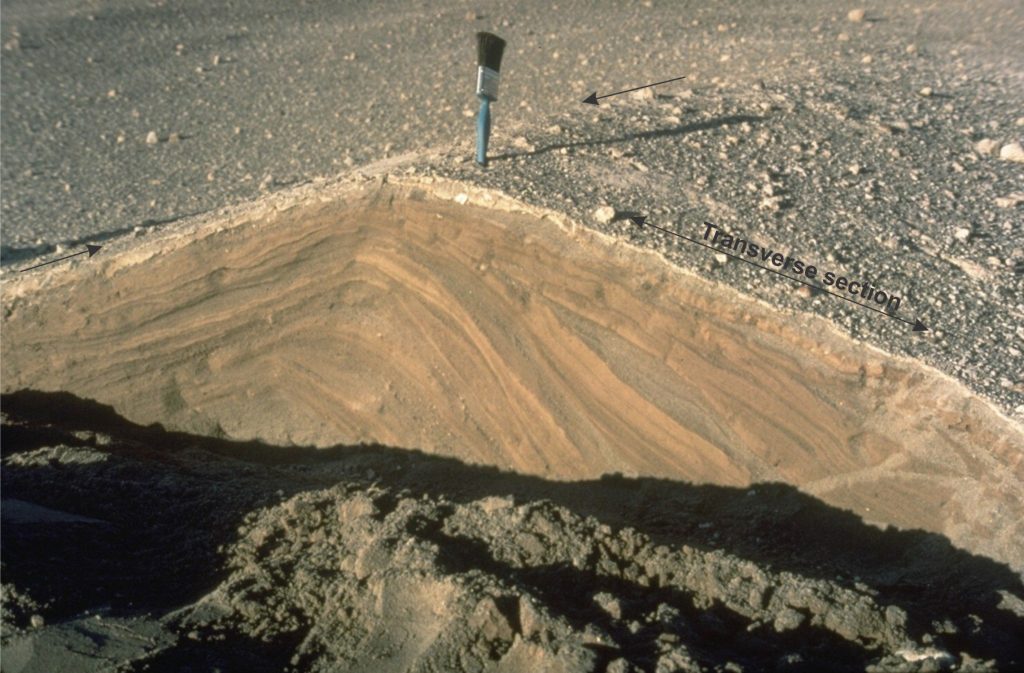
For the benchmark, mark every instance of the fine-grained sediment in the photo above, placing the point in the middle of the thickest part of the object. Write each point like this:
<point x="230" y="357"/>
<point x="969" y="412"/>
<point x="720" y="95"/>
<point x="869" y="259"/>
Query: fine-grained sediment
<point x="391" y="316"/>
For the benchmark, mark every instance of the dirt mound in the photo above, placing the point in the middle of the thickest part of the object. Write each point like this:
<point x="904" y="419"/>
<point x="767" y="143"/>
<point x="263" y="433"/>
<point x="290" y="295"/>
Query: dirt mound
<point x="392" y="316"/>
<point x="376" y="559"/>
<point x="391" y="583"/>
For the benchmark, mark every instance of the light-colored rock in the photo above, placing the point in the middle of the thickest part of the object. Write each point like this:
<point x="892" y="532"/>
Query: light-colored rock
<point x="1012" y="152"/>
<point x="856" y="15"/>
<point x="1011" y="200"/>
<point x="604" y="214"/>
<point x="152" y="138"/>
<point x="985" y="146"/>
<point x="643" y="94"/>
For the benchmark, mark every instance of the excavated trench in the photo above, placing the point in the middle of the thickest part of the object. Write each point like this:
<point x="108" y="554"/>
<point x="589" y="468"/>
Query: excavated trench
<point x="497" y="337"/>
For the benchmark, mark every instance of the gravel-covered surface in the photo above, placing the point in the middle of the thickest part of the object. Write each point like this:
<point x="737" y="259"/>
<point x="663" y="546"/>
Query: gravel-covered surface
<point x="870" y="147"/>
<point x="144" y="550"/>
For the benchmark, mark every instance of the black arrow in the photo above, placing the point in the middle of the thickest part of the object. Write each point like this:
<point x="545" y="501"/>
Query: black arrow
<point x="91" y="249"/>
<point x="593" y="98"/>
<point x="641" y="221"/>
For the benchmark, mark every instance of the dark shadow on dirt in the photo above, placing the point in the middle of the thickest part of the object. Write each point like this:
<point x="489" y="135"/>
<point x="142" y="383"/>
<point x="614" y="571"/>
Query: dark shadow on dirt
<point x="657" y="133"/>
<point x="172" y="499"/>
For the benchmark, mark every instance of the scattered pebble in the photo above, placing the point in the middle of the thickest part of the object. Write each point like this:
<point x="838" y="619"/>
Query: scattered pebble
<point x="962" y="233"/>
<point x="604" y="214"/>
<point x="985" y="146"/>
<point x="721" y="257"/>
<point x="174" y="138"/>
<point x="925" y="91"/>
<point x="1011" y="200"/>
<point x="643" y="94"/>
<point x="152" y="138"/>
<point x="37" y="621"/>
<point x="1012" y="152"/>
<point x="856" y="15"/>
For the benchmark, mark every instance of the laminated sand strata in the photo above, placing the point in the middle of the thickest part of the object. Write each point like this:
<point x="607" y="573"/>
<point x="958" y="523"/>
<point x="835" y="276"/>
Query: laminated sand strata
<point x="394" y="316"/>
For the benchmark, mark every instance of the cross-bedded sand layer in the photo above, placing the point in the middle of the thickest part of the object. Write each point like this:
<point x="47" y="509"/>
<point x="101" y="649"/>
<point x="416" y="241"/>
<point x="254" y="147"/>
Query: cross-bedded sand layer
<point x="495" y="337"/>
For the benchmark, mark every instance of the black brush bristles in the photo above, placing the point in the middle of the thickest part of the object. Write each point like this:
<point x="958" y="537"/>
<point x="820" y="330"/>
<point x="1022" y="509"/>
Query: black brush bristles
<point x="489" y="48"/>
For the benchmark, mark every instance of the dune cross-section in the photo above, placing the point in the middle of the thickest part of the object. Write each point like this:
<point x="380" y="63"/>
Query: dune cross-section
<point x="498" y="337"/>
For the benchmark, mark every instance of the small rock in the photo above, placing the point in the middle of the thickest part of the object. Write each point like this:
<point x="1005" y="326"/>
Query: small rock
<point x="174" y="138"/>
<point x="721" y="257"/>
<point x="856" y="15"/>
<point x="804" y="292"/>
<point x="787" y="620"/>
<point x="961" y="233"/>
<point x="1012" y="152"/>
<point x="604" y="214"/>
<point x="619" y="666"/>
<point x="37" y="621"/>
<point x="489" y="621"/>
<point x="152" y="138"/>
<point x="643" y="94"/>
<point x="925" y="91"/>
<point x="1011" y="200"/>
<point x="855" y="169"/>
<point x="610" y="604"/>
<point x="112" y="93"/>
<point x="911" y="49"/>
<point x="985" y="146"/>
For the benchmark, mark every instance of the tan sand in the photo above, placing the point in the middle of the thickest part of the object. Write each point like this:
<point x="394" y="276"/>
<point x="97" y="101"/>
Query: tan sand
<point x="495" y="337"/>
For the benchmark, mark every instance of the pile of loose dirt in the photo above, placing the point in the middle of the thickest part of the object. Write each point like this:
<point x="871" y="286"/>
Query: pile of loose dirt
<point x="375" y="559"/>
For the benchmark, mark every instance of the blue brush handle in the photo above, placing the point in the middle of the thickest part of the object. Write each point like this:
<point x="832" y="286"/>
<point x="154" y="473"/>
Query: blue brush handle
<point x="483" y="130"/>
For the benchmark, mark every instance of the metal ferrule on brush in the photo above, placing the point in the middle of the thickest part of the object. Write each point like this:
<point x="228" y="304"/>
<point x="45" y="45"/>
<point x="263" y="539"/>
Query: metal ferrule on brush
<point x="487" y="82"/>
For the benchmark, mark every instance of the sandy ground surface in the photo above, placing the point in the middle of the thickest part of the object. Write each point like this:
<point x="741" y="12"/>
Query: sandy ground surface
<point x="514" y="318"/>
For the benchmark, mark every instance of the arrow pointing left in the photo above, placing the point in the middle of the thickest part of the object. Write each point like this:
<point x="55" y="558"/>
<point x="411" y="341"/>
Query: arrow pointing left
<point x="89" y="249"/>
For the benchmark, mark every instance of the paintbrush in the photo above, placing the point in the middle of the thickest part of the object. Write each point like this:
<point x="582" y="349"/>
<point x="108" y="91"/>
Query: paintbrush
<point x="489" y="48"/>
